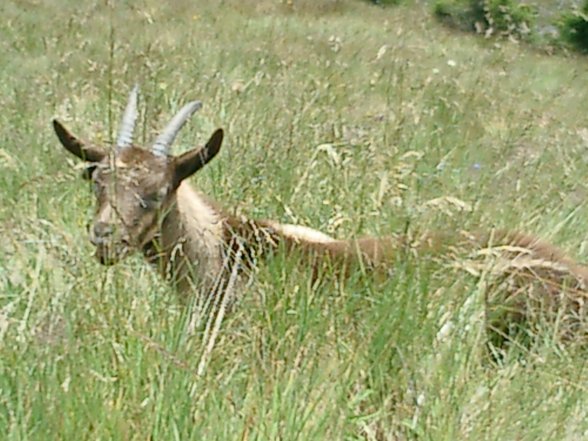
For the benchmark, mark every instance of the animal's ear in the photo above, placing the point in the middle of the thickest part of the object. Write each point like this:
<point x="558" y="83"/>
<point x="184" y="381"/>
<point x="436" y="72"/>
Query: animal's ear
<point x="77" y="147"/>
<point x="190" y="162"/>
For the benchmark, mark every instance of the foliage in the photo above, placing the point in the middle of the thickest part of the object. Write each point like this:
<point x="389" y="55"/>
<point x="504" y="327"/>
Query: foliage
<point x="509" y="17"/>
<point x="574" y="28"/>
<point x="502" y="17"/>
<point x="460" y="14"/>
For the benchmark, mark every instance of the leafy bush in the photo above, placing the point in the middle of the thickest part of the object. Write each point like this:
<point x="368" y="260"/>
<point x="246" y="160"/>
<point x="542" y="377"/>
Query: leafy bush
<point x="573" y="27"/>
<point x="502" y="17"/>
<point x="460" y="14"/>
<point x="510" y="17"/>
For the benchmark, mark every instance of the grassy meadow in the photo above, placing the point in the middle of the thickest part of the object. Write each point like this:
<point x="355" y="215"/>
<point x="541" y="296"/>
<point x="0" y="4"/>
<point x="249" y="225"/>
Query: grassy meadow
<point x="340" y="115"/>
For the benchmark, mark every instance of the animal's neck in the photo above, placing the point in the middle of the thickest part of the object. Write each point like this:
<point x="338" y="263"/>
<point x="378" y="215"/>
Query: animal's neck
<point x="188" y="247"/>
<point x="198" y="242"/>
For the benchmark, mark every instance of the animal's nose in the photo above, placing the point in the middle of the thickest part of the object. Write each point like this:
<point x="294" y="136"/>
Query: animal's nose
<point x="101" y="231"/>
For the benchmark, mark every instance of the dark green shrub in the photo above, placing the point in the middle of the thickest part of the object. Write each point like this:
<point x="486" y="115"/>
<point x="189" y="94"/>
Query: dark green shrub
<point x="501" y="17"/>
<point x="460" y="14"/>
<point x="573" y="27"/>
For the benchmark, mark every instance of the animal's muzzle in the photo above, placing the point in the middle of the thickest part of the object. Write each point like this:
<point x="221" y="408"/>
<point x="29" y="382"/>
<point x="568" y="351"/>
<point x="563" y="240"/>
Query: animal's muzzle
<point x="101" y="233"/>
<point x="109" y="248"/>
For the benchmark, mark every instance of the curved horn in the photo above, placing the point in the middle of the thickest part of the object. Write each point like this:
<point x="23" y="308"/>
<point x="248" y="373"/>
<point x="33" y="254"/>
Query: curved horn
<point x="167" y="136"/>
<point x="127" y="124"/>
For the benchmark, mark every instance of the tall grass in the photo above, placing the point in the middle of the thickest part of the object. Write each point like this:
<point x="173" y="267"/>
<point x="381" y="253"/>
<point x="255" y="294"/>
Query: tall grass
<point x="347" y="117"/>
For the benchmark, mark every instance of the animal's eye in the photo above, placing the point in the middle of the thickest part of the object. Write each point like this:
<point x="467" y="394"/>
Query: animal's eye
<point x="143" y="203"/>
<point x="148" y="202"/>
<point x="152" y="200"/>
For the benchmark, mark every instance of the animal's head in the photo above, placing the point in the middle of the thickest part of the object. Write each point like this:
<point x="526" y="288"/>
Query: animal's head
<point x="134" y="186"/>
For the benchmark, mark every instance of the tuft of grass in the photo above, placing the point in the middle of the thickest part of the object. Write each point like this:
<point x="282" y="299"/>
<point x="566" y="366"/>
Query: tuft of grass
<point x="351" y="119"/>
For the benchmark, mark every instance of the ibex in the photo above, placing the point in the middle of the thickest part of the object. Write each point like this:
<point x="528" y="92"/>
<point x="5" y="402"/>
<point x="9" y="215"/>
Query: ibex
<point x="145" y="204"/>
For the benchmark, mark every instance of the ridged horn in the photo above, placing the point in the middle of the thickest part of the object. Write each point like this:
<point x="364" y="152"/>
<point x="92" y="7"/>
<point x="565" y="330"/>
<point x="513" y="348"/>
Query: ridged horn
<point x="127" y="123"/>
<point x="167" y="136"/>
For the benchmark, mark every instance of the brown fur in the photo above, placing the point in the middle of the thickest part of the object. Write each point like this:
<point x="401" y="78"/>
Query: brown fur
<point x="143" y="203"/>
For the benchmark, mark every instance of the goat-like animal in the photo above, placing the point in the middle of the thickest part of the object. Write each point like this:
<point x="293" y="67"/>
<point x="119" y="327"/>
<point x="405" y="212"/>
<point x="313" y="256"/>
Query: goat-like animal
<point x="145" y="204"/>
